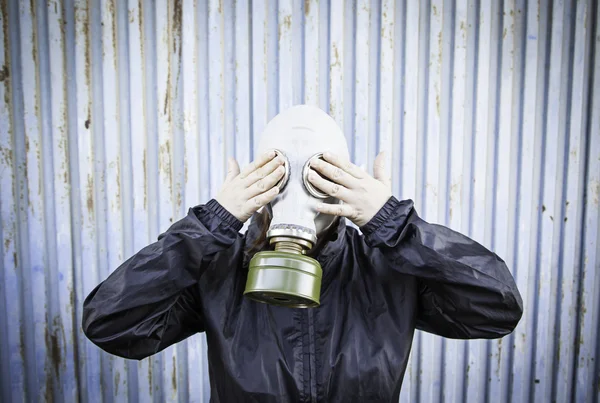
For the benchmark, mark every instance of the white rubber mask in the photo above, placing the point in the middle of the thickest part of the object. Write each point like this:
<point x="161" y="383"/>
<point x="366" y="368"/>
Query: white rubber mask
<point x="299" y="133"/>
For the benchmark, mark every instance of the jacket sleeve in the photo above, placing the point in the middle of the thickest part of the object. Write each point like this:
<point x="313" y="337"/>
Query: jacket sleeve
<point x="152" y="300"/>
<point x="465" y="291"/>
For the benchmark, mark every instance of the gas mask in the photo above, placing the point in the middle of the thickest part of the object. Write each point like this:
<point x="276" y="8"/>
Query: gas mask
<point x="285" y="276"/>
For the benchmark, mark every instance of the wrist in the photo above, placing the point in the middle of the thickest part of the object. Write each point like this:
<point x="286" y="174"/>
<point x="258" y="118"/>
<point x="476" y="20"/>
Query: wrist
<point x="224" y="214"/>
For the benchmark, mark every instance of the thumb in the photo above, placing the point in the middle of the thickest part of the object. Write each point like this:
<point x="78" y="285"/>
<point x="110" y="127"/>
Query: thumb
<point x="379" y="169"/>
<point x="233" y="169"/>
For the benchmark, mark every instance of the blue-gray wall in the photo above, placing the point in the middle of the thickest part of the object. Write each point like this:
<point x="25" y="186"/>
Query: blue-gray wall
<point x="116" y="116"/>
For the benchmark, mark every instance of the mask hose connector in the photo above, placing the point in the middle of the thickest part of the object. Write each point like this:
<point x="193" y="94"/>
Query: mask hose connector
<point x="290" y="245"/>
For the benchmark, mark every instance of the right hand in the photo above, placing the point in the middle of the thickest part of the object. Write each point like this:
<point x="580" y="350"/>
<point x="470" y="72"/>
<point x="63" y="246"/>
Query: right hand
<point x="243" y="193"/>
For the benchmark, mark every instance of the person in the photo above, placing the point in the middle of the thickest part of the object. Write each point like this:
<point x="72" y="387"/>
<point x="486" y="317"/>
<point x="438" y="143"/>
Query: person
<point x="381" y="281"/>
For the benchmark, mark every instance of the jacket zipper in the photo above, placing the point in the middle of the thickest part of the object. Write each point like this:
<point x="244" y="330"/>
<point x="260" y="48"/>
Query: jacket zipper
<point x="312" y="377"/>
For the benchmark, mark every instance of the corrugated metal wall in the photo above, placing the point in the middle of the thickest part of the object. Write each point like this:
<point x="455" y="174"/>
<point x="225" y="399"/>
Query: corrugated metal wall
<point x="116" y="116"/>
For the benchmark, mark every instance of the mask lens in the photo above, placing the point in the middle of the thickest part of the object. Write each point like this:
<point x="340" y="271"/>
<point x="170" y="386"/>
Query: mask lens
<point x="309" y="186"/>
<point x="286" y="175"/>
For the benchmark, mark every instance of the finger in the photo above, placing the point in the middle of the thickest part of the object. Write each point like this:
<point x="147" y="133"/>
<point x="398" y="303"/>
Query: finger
<point x="344" y="164"/>
<point x="233" y="169"/>
<point x="266" y="183"/>
<point x="332" y="189"/>
<point x="340" y="210"/>
<point x="257" y="163"/>
<point x="334" y="173"/>
<point x="263" y="171"/>
<point x="261" y="200"/>
<point x="379" y="169"/>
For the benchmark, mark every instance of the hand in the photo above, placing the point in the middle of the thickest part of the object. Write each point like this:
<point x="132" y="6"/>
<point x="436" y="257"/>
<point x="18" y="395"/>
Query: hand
<point x="362" y="194"/>
<point x="243" y="193"/>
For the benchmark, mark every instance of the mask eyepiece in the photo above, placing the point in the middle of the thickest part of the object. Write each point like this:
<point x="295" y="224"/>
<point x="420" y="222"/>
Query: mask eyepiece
<point x="309" y="186"/>
<point x="286" y="165"/>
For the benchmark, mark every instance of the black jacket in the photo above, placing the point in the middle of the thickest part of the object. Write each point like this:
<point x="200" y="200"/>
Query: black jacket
<point x="402" y="274"/>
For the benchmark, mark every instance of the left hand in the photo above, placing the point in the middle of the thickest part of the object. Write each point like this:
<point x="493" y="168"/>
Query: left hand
<point x="362" y="194"/>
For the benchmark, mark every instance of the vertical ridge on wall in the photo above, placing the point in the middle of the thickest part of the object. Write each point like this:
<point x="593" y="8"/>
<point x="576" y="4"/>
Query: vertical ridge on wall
<point x="588" y="364"/>
<point x="117" y="117"/>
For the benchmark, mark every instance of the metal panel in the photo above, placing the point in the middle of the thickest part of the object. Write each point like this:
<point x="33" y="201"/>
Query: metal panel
<point x="116" y="116"/>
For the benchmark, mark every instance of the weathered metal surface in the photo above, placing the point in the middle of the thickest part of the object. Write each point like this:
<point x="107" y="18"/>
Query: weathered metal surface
<point x="116" y="116"/>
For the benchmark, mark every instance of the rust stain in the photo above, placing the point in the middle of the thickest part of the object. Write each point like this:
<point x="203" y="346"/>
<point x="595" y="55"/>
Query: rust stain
<point x="7" y="244"/>
<point x="6" y="46"/>
<point x="174" y="375"/>
<point x="22" y="342"/>
<point x="185" y="171"/>
<point x="306" y="7"/>
<point x="167" y="94"/>
<point x="437" y="103"/>
<point x="435" y="11"/>
<point x="88" y="52"/>
<point x="118" y="179"/>
<point x="164" y="162"/>
<point x="150" y="377"/>
<point x="145" y="167"/>
<point x="141" y="26"/>
<point x="287" y="23"/>
<point x="504" y="34"/>
<point x="441" y="48"/>
<point x="7" y="156"/>
<point x="90" y="194"/>
<point x="220" y="6"/>
<point x="71" y="298"/>
<point x="4" y="73"/>
<point x="336" y="58"/>
<point x="33" y="32"/>
<point x="113" y="15"/>
<point x="177" y="39"/>
<point x="117" y="382"/>
<point x="177" y="18"/>
<point x="54" y="338"/>
<point x="498" y="358"/>
<point x="88" y="122"/>
<point x="49" y="393"/>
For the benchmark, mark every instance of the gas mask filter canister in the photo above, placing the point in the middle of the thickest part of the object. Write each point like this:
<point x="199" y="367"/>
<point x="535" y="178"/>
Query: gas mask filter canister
<point x="285" y="276"/>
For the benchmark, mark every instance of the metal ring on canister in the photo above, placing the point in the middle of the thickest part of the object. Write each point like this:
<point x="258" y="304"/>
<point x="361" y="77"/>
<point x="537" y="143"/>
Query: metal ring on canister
<point x="284" y="279"/>
<point x="309" y="186"/>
